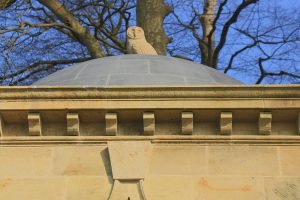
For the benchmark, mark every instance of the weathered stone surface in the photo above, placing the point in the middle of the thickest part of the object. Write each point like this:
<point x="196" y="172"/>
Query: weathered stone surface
<point x="32" y="188"/>
<point x="89" y="188"/>
<point x="127" y="190"/>
<point x="118" y="98"/>
<point x="128" y="159"/>
<point x="204" y="165"/>
<point x="290" y="160"/>
<point x="228" y="188"/>
<point x="149" y="123"/>
<point x="265" y="123"/>
<point x="35" y="124"/>
<point x="298" y="124"/>
<point x="177" y="171"/>
<point x="111" y="123"/>
<point x="187" y="123"/>
<point x="226" y="123"/>
<point x="1" y="126"/>
<point x="178" y="160"/>
<point x="169" y="187"/>
<point x="243" y="160"/>
<point x="25" y="161"/>
<point x="80" y="161"/>
<point x="282" y="188"/>
<point x="73" y="124"/>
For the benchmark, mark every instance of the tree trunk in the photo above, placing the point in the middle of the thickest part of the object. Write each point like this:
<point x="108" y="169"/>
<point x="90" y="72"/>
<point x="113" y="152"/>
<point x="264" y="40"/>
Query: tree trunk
<point x="6" y="3"/>
<point x="150" y="16"/>
<point x="208" y="36"/>
<point x="82" y="34"/>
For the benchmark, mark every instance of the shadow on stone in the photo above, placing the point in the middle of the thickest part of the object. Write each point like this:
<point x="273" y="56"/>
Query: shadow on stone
<point x="107" y="164"/>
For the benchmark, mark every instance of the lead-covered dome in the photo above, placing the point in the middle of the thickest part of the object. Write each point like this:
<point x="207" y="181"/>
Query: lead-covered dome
<point x="137" y="70"/>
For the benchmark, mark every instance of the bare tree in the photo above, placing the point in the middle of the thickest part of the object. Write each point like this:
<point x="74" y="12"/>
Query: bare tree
<point x="81" y="30"/>
<point x="75" y="28"/>
<point x="228" y="33"/>
<point x="150" y="16"/>
<point x="242" y="37"/>
<point x="207" y="21"/>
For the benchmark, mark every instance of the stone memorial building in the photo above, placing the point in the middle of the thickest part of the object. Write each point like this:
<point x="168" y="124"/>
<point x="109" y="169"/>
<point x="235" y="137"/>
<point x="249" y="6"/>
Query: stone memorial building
<point x="138" y="127"/>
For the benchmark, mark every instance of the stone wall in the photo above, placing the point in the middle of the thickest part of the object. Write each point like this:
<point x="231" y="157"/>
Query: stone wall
<point x="205" y="142"/>
<point x="174" y="171"/>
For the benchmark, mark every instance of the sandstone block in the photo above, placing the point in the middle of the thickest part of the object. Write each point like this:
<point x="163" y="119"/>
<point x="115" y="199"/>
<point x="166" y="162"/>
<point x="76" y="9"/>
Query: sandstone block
<point x="187" y="123"/>
<point x="228" y="188"/>
<point x="127" y="190"/>
<point x="243" y="160"/>
<point x="81" y="161"/>
<point x="226" y="123"/>
<point x="1" y="126"/>
<point x="73" y="123"/>
<point x="282" y="188"/>
<point x="265" y="123"/>
<point x="35" y="124"/>
<point x="298" y="124"/>
<point x="290" y="160"/>
<point x="178" y="160"/>
<point x="111" y="123"/>
<point x="25" y="161"/>
<point x="88" y="187"/>
<point x="149" y="123"/>
<point x="32" y="188"/>
<point x="169" y="187"/>
<point x="128" y="159"/>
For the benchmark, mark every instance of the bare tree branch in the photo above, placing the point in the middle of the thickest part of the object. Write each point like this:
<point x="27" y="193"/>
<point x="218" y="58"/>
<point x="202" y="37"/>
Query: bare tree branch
<point x="82" y="34"/>
<point x="6" y="3"/>
<point x="226" y="27"/>
<point x="40" y="63"/>
<point x="264" y="73"/>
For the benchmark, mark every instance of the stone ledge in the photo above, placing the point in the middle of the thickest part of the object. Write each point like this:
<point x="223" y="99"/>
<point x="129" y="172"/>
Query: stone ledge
<point x="178" y="139"/>
<point x="150" y="104"/>
<point x="136" y="92"/>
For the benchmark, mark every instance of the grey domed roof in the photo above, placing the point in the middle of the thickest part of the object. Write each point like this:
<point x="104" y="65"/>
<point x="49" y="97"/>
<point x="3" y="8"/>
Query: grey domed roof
<point x="137" y="70"/>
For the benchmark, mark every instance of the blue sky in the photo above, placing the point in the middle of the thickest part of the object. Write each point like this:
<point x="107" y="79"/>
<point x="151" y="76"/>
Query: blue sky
<point x="288" y="3"/>
<point x="247" y="72"/>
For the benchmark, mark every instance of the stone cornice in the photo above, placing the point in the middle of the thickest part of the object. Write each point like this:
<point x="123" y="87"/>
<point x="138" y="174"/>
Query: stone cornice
<point x="184" y="114"/>
<point x="161" y="139"/>
<point x="159" y="97"/>
<point x="150" y="92"/>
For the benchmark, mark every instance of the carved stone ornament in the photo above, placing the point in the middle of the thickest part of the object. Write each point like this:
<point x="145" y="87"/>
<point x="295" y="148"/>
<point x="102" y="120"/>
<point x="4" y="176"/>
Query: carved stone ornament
<point x="137" y="43"/>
